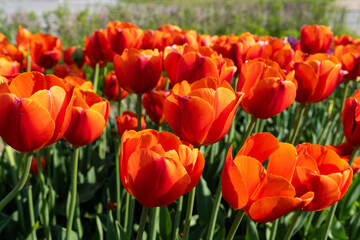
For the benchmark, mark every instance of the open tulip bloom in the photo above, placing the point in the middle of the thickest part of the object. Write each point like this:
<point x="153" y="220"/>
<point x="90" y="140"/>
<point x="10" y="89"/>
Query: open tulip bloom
<point x="157" y="168"/>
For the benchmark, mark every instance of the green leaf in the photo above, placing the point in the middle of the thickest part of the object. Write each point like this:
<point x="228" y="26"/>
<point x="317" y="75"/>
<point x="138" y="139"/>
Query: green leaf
<point x="110" y="227"/>
<point x="251" y="230"/>
<point x="165" y="223"/>
<point x="4" y="221"/>
<point x="337" y="231"/>
<point x="203" y="201"/>
<point x="60" y="233"/>
<point x="99" y="228"/>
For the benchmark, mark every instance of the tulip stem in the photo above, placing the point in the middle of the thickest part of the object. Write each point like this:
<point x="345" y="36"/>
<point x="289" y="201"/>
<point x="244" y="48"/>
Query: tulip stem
<point x="329" y="221"/>
<point x="144" y="214"/>
<point x="235" y="224"/>
<point x="179" y="205"/>
<point x="138" y="110"/>
<point x="214" y="212"/>
<point x="297" y="125"/>
<point x="119" y="102"/>
<point x="248" y="130"/>
<point x="45" y="206"/>
<point x="274" y="229"/>
<point x="292" y="225"/>
<point x="28" y="66"/>
<point x="118" y="186"/>
<point x="189" y="210"/>
<point x="96" y="77"/>
<point x="130" y="216"/>
<point x="74" y="167"/>
<point x="20" y="184"/>
<point x="10" y="153"/>
<point x="154" y="214"/>
<point x="31" y="213"/>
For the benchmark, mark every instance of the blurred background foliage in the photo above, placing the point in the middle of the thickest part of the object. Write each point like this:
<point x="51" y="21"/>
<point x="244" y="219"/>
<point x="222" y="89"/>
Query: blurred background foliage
<point x="214" y="17"/>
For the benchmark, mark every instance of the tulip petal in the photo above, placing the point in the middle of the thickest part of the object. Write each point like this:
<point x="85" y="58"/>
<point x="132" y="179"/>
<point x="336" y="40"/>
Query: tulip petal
<point x="282" y="162"/>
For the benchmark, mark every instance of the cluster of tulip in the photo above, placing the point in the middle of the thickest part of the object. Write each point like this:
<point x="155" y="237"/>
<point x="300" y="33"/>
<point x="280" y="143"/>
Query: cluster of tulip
<point x="185" y="80"/>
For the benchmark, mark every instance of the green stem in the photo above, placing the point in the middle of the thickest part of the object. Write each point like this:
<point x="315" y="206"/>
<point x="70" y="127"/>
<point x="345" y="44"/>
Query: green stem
<point x="127" y="206"/>
<point x="235" y="224"/>
<point x="154" y="213"/>
<point x="138" y="110"/>
<point x="338" y="137"/>
<point x="249" y="129"/>
<point x="274" y="229"/>
<point x="119" y="102"/>
<point x="118" y="186"/>
<point x="144" y="214"/>
<point x="306" y="115"/>
<point x="28" y="67"/>
<point x="20" y="184"/>
<point x="353" y="155"/>
<point x="10" y="153"/>
<point x="308" y="224"/>
<point x="292" y="225"/>
<point x="74" y="167"/>
<point x="189" y="210"/>
<point x="329" y="221"/>
<point x="177" y="218"/>
<point x="297" y="124"/>
<point x="96" y="77"/>
<point x="130" y="217"/>
<point x="214" y="212"/>
<point x="31" y="213"/>
<point x="45" y="206"/>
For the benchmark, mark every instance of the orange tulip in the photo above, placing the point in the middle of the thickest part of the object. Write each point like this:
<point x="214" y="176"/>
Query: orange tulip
<point x="124" y="35"/>
<point x="153" y="103"/>
<point x="349" y="56"/>
<point x="322" y="171"/>
<point x="89" y="116"/>
<point x="129" y="121"/>
<point x="351" y="119"/>
<point x="97" y="48"/>
<point x="344" y="40"/>
<point x="8" y="67"/>
<point x="185" y="63"/>
<point x="157" y="168"/>
<point x="267" y="90"/>
<point x="264" y="195"/>
<point x="201" y="113"/>
<point x="35" y="111"/>
<point x="45" y="50"/>
<point x="344" y="150"/>
<point x="315" y="39"/>
<point x="72" y="82"/>
<point x="10" y="52"/>
<point x="23" y="39"/>
<point x="316" y="79"/>
<point x="138" y="71"/>
<point x="111" y="87"/>
<point x="154" y="39"/>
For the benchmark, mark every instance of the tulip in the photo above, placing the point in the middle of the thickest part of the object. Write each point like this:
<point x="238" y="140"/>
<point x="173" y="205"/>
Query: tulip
<point x="89" y="116"/>
<point x="34" y="167"/>
<point x="63" y="70"/>
<point x="111" y="87"/>
<point x="97" y="49"/>
<point x="349" y="56"/>
<point x="124" y="35"/>
<point x="74" y="55"/>
<point x="157" y="168"/>
<point x="344" y="150"/>
<point x="138" y="71"/>
<point x="35" y="111"/>
<point x="185" y="63"/>
<point x="45" y="50"/>
<point x="264" y="195"/>
<point x="315" y="39"/>
<point x="351" y="119"/>
<point x="72" y="82"/>
<point x="154" y="39"/>
<point x="201" y="113"/>
<point x="316" y="79"/>
<point x="153" y="103"/>
<point x="23" y="39"/>
<point x="8" y="67"/>
<point x="129" y="121"/>
<point x="322" y="171"/>
<point x="267" y="90"/>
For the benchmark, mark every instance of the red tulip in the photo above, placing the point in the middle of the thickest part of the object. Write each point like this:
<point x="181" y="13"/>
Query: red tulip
<point x="351" y="119"/>
<point x="45" y="50"/>
<point x="8" y="67"/>
<point x="322" y="171"/>
<point x="267" y="90"/>
<point x="111" y="87"/>
<point x="153" y="103"/>
<point x="124" y="35"/>
<point x="315" y="39"/>
<point x="72" y="82"/>
<point x="316" y="79"/>
<point x="344" y="151"/>
<point x="129" y="121"/>
<point x="35" y="111"/>
<point x="74" y="55"/>
<point x="33" y="168"/>
<point x="64" y="70"/>
<point x="97" y="48"/>
<point x="157" y="168"/>
<point x="138" y="71"/>
<point x="349" y="56"/>
<point x="201" y="113"/>
<point x="88" y="119"/>
<point x="264" y="195"/>
<point x="23" y="39"/>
